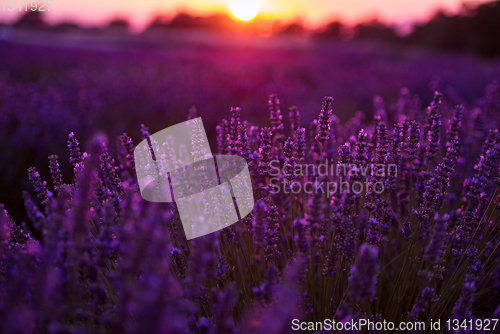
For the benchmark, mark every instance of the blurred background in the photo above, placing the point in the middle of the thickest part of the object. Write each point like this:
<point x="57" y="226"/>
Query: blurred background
<point x="92" y="66"/>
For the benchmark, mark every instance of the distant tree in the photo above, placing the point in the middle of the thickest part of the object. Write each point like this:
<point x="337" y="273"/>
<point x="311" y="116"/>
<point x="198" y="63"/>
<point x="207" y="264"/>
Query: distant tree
<point x="294" y="28"/>
<point x="215" y="22"/>
<point x="331" y="30"/>
<point x="375" y="30"/>
<point x="158" y="22"/>
<point x="475" y="30"/>
<point x="121" y="24"/>
<point x="31" y="20"/>
<point x="487" y="29"/>
<point x="186" y="21"/>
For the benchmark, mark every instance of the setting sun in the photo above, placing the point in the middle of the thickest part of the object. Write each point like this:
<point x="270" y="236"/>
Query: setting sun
<point x="244" y="10"/>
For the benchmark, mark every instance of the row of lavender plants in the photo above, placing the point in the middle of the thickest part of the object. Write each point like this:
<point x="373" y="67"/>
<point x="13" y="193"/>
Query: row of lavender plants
<point x="427" y="247"/>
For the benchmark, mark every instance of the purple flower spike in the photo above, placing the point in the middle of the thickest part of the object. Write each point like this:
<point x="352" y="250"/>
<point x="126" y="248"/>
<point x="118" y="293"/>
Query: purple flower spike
<point x="462" y="308"/>
<point x="413" y="140"/>
<point x="299" y="146"/>
<point x="363" y="280"/>
<point x="265" y="151"/>
<point x="373" y="233"/>
<point x="294" y="115"/>
<point x="260" y="224"/>
<point x="223" y="137"/>
<point x="75" y="156"/>
<point x="301" y="238"/>
<point x="176" y="255"/>
<point x="55" y="172"/>
<point x="39" y="185"/>
<point x="234" y="131"/>
<point x="406" y="230"/>
<point x="324" y="120"/>
<point x="289" y="164"/>
<point x="422" y="303"/>
<point x="275" y="115"/>
<point x="272" y="229"/>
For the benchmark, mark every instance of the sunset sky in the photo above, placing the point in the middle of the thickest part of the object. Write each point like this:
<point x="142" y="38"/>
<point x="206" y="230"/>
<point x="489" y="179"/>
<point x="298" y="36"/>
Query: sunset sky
<point x="311" y="12"/>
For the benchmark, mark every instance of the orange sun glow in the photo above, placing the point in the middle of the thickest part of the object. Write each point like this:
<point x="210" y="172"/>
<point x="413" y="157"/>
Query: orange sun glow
<point x="244" y="10"/>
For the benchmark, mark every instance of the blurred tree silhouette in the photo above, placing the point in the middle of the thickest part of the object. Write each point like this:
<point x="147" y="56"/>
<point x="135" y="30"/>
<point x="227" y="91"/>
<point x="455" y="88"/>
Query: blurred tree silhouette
<point x="215" y="22"/>
<point x="375" y="30"/>
<point x="119" y="24"/>
<point x="31" y="20"/>
<point x="331" y="30"/>
<point x="294" y="28"/>
<point x="476" y="29"/>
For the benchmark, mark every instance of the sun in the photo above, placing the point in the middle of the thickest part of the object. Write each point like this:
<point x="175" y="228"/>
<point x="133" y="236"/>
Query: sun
<point x="244" y="10"/>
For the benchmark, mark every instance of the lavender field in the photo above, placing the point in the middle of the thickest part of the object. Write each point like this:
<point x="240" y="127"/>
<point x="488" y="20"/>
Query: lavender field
<point x="82" y="252"/>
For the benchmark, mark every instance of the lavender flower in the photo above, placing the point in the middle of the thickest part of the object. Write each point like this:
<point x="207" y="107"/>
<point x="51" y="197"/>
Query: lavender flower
<point x="413" y="140"/>
<point x="39" y="185"/>
<point x="455" y="123"/>
<point x="126" y="152"/>
<point x="301" y="238"/>
<point x="363" y="279"/>
<point x="344" y="154"/>
<point x="324" y="120"/>
<point x="144" y="132"/>
<point x="275" y="116"/>
<point x="360" y="149"/>
<point x="221" y="269"/>
<point x="434" y="136"/>
<point x="272" y="227"/>
<point x="294" y="115"/>
<point x="265" y="151"/>
<point x="422" y="303"/>
<point x="462" y="308"/>
<point x="55" y="171"/>
<point x="99" y="253"/>
<point x="397" y="144"/>
<point x="349" y="243"/>
<point x="6" y="232"/>
<point x="265" y="293"/>
<point x="230" y="234"/>
<point x="314" y="150"/>
<point x="330" y="267"/>
<point x="315" y="217"/>
<point x="223" y="301"/>
<point x="299" y="146"/>
<point x="75" y="156"/>
<point x="176" y="255"/>
<point x="432" y="112"/>
<point x="249" y="221"/>
<point x="111" y="179"/>
<point x="308" y="307"/>
<point x="260" y="224"/>
<point x="373" y="234"/>
<point x="223" y="137"/>
<point x="382" y="144"/>
<point x="192" y="113"/>
<point x="472" y="259"/>
<point x="289" y="164"/>
<point x="234" y="130"/>
<point x="406" y="230"/>
<point x="438" y="238"/>
<point x="34" y="214"/>
<point x="245" y="150"/>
